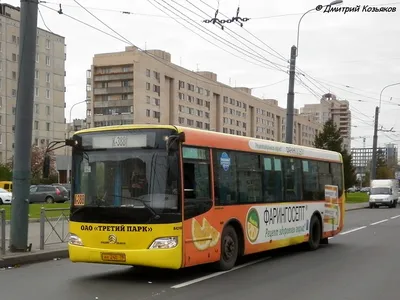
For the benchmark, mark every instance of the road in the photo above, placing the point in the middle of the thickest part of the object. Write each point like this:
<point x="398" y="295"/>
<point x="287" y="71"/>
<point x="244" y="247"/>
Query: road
<point x="361" y="263"/>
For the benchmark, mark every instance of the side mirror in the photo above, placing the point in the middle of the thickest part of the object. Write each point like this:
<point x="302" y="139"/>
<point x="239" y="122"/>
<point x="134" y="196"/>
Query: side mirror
<point x="172" y="143"/>
<point x="46" y="166"/>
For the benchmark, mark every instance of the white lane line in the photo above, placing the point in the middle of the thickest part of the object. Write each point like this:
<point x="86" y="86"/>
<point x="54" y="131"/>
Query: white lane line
<point x="181" y="285"/>
<point x="352" y="230"/>
<point x="379" y="222"/>
<point x="395" y="217"/>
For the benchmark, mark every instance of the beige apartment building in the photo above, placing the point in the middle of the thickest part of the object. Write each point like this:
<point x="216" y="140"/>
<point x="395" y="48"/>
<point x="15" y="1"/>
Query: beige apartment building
<point x="136" y="87"/>
<point x="331" y="108"/>
<point x="49" y="121"/>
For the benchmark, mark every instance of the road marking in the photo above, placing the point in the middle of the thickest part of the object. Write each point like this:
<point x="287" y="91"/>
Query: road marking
<point x="379" y="222"/>
<point x="352" y="230"/>
<point x="395" y="217"/>
<point x="190" y="282"/>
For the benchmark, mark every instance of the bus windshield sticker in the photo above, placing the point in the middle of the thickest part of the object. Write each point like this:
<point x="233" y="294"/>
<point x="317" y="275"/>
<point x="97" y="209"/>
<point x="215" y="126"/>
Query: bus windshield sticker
<point x="79" y="199"/>
<point x="267" y="164"/>
<point x="277" y="164"/>
<point x="225" y="161"/>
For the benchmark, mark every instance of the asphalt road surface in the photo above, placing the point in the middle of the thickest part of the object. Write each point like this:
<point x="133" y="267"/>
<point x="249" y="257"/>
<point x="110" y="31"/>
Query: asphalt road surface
<point x="361" y="263"/>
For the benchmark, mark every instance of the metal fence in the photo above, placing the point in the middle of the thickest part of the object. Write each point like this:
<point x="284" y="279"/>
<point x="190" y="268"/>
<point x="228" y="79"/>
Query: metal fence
<point x="57" y="226"/>
<point x="2" y="231"/>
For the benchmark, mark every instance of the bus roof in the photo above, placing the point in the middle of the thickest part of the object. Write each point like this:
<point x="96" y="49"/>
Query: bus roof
<point x="206" y="138"/>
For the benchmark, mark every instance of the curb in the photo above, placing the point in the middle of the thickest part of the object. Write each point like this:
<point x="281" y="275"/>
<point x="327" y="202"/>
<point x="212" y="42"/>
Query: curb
<point x="30" y="258"/>
<point x="356" y="208"/>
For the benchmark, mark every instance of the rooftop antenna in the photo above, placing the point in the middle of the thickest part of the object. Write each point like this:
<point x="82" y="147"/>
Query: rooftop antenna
<point x="197" y="67"/>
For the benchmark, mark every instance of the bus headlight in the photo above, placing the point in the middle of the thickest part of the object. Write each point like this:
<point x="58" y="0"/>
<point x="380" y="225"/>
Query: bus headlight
<point x="75" y="240"/>
<point x="165" y="243"/>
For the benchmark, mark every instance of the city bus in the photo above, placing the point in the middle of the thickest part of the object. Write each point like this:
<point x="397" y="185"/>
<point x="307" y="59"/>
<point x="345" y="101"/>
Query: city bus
<point x="171" y="197"/>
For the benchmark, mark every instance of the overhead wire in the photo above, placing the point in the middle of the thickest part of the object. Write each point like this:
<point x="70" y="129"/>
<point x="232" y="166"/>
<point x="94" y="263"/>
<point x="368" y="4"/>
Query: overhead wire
<point x="227" y="31"/>
<point x="241" y="50"/>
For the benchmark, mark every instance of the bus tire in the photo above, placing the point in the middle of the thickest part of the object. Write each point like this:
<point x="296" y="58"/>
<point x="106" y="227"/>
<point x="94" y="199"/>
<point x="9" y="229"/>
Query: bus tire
<point x="315" y="234"/>
<point x="229" y="249"/>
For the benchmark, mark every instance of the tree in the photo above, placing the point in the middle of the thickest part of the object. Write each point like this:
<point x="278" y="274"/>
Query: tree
<point x="37" y="158"/>
<point x="383" y="171"/>
<point x="330" y="139"/>
<point x="5" y="172"/>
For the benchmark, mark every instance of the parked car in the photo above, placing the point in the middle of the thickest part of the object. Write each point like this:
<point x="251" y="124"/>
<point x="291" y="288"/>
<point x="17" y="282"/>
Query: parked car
<point x="65" y="186"/>
<point x="5" y="196"/>
<point x="47" y="193"/>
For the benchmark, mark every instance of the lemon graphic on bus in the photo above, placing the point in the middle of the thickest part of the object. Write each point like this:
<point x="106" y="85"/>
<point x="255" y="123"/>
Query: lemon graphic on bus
<point x="253" y="225"/>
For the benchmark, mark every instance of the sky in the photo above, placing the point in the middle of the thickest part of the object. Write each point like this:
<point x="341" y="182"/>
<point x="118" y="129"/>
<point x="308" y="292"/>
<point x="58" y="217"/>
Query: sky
<point x="353" y="55"/>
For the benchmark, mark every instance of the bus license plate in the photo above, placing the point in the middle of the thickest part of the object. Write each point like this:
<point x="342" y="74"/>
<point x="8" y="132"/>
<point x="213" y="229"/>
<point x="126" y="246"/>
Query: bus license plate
<point x="121" y="257"/>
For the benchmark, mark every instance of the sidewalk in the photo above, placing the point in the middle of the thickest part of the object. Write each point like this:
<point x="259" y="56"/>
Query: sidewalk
<point x="55" y="249"/>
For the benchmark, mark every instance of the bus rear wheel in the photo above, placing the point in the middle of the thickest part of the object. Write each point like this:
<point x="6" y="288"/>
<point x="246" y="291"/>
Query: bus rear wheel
<point x="315" y="234"/>
<point x="229" y="249"/>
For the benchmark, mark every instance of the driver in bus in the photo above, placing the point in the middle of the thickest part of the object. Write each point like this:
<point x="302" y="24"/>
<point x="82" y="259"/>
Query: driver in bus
<point x="138" y="180"/>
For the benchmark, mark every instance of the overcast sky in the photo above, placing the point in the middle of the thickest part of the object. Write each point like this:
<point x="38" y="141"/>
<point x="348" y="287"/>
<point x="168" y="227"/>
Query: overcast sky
<point x="352" y="55"/>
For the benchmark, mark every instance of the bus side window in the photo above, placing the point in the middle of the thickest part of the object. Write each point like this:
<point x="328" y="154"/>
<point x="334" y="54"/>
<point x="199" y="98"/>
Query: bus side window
<point x="337" y="176"/>
<point x="225" y="177"/>
<point x="249" y="178"/>
<point x="292" y="179"/>
<point x="272" y="179"/>
<point x="6" y="186"/>
<point x="324" y="178"/>
<point x="197" y="181"/>
<point x="310" y="180"/>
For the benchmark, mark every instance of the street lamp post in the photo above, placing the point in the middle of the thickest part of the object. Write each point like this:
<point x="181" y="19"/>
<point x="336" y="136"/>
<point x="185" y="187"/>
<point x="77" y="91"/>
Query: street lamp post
<point x="69" y="131"/>
<point x="70" y="114"/>
<point x="375" y="139"/>
<point x="292" y="74"/>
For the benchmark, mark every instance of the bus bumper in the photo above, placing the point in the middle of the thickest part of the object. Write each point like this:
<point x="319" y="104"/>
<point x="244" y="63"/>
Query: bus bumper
<point x="157" y="258"/>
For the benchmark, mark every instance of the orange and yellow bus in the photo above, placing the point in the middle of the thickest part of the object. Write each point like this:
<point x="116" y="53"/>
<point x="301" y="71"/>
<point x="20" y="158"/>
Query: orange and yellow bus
<point x="172" y="197"/>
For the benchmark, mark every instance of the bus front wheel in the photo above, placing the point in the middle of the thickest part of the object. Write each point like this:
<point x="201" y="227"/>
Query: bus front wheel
<point x="315" y="233"/>
<point x="229" y="249"/>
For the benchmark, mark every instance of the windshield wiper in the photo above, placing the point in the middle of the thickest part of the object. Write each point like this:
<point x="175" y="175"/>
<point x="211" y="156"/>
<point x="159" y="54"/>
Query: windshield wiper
<point x="154" y="216"/>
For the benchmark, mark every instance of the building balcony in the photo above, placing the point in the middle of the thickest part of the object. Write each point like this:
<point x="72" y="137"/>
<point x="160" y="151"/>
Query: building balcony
<point x="113" y="103"/>
<point x="113" y="90"/>
<point x="114" y="77"/>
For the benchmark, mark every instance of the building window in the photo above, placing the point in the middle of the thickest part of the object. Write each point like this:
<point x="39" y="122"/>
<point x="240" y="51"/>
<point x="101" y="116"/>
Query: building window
<point x="47" y="44"/>
<point x="47" y="94"/>
<point x="147" y="72"/>
<point x="37" y="57"/>
<point x="48" y="61"/>
<point x="47" y="77"/>
<point x="14" y="57"/>
<point x="36" y="125"/>
<point x="148" y="86"/>
<point x="36" y="74"/>
<point x="47" y="126"/>
<point x="147" y="112"/>
<point x="36" y="92"/>
<point x="48" y="110"/>
<point x="36" y="108"/>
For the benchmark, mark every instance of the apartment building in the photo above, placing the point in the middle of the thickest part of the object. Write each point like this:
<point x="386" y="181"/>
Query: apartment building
<point x="145" y="87"/>
<point x="49" y="122"/>
<point x="331" y="108"/>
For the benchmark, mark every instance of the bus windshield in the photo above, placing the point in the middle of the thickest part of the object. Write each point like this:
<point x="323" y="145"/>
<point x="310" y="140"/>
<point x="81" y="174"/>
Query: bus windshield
<point x="113" y="181"/>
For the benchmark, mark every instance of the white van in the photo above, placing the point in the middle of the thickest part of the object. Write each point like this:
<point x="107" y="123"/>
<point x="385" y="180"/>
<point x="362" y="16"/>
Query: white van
<point x="384" y="192"/>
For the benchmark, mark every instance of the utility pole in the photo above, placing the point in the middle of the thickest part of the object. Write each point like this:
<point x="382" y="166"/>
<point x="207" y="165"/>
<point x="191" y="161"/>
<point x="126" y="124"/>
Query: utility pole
<point x="290" y="96"/>
<point x="375" y="144"/>
<point x="23" y="126"/>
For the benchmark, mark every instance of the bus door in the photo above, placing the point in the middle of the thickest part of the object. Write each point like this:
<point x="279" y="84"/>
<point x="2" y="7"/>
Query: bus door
<point x="197" y="207"/>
